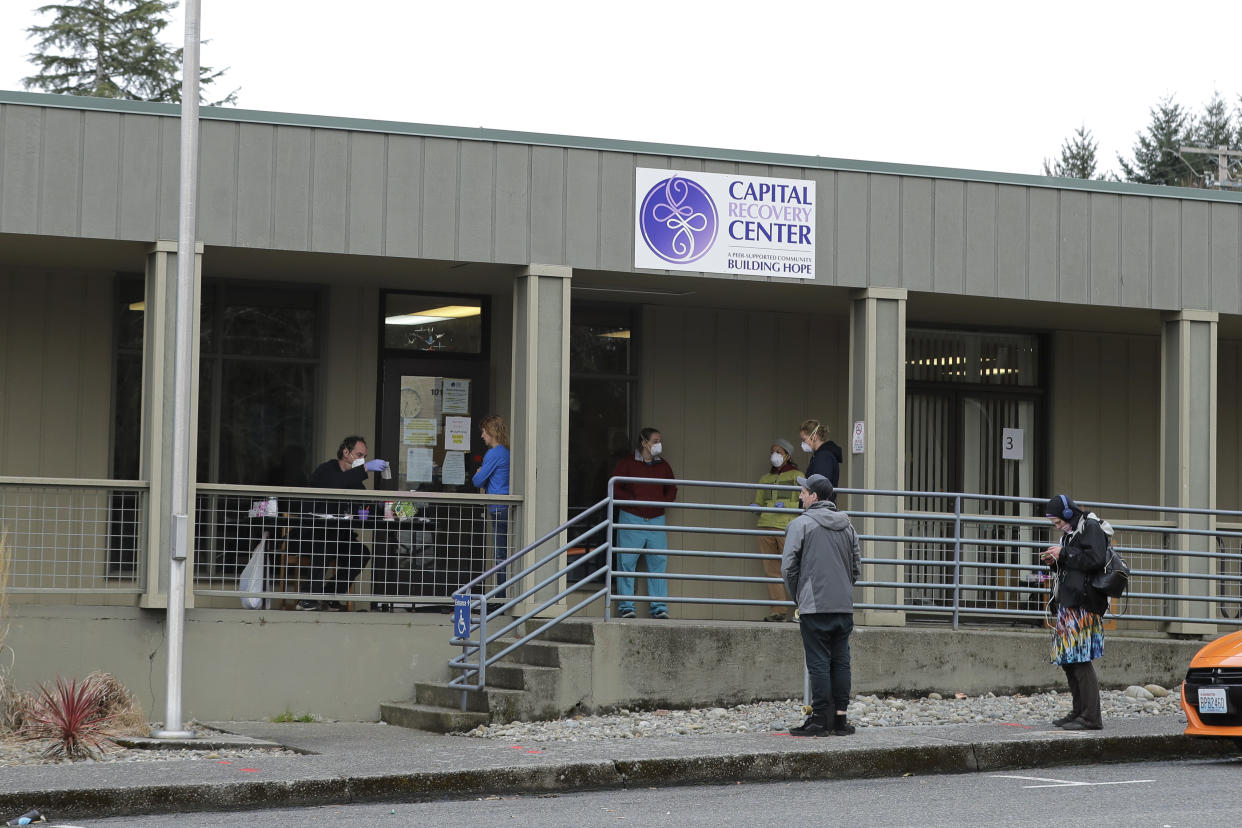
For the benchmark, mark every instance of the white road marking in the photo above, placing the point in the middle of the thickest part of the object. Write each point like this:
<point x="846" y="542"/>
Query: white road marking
<point x="1067" y="783"/>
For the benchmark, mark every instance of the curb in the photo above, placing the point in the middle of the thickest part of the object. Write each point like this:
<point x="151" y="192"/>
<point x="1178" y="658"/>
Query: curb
<point x="766" y="766"/>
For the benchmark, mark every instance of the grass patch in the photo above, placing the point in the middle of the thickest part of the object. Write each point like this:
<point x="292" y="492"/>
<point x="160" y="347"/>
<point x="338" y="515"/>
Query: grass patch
<point x="290" y="716"/>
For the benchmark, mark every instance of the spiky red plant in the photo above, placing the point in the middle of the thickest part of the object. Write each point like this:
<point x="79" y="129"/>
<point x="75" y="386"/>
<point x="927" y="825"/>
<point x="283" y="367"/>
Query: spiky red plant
<point x="75" y="718"/>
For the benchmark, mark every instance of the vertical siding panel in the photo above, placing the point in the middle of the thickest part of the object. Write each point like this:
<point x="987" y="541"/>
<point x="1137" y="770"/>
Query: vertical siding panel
<point x="948" y="264"/>
<point x="60" y="344"/>
<point x="547" y="200"/>
<point x="1229" y="425"/>
<point x="582" y="189"/>
<point x="256" y="162"/>
<point x="1113" y="421"/>
<point x="366" y="193"/>
<point x="19" y="169"/>
<point x="825" y="225"/>
<point x="217" y="182"/>
<point x="9" y="292"/>
<point x="403" y="214"/>
<point x="140" y="146"/>
<point x="729" y="425"/>
<point x="1136" y="272"/>
<point x="1042" y="270"/>
<point x="1165" y="254"/>
<point x="1072" y="262"/>
<point x="1012" y="252"/>
<point x="851" y="229"/>
<point x="1224" y="259"/>
<point x="58" y="190"/>
<point x="1105" y="264"/>
<point x="292" y="204"/>
<point x="25" y="397"/>
<point x="1196" y="246"/>
<point x="917" y="215"/>
<point x="329" y="197"/>
<point x="170" y="178"/>
<point x="94" y="378"/>
<point x="101" y="174"/>
<point x="616" y="209"/>
<point x="884" y="242"/>
<point x="475" y="201"/>
<point x="513" y="204"/>
<point x="1143" y="404"/>
<point x="980" y="264"/>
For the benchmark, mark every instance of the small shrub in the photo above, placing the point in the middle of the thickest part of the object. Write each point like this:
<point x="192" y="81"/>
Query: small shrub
<point x="290" y="716"/>
<point x="73" y="718"/>
<point x="120" y="705"/>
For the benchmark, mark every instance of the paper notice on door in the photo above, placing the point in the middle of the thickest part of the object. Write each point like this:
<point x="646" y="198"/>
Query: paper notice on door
<point x="418" y="431"/>
<point x="418" y="463"/>
<point x="453" y="472"/>
<point x="457" y="433"/>
<point x="456" y="396"/>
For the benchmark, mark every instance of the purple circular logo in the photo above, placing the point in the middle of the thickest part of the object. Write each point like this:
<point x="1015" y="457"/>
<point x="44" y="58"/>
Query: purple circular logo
<point x="678" y="220"/>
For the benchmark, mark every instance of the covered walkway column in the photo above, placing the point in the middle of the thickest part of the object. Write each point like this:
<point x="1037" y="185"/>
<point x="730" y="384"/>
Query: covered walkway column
<point x="159" y="393"/>
<point x="1188" y="398"/>
<point x="540" y="435"/>
<point x="877" y="389"/>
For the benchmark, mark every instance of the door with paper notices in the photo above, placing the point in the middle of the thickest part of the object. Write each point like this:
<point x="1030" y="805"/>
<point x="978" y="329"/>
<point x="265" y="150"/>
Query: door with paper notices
<point x="430" y="423"/>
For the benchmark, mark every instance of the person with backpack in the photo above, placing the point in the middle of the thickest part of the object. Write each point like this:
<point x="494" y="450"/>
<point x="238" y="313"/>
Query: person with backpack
<point x="1078" y="637"/>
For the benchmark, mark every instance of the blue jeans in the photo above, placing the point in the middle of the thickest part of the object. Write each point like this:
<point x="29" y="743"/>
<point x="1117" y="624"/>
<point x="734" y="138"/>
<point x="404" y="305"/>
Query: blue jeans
<point x="628" y="561"/>
<point x="826" y="642"/>
<point x="500" y="542"/>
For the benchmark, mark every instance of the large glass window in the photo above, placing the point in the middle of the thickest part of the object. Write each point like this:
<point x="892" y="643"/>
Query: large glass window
<point x="603" y="385"/>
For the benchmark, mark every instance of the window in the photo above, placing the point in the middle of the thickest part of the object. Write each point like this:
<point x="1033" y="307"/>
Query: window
<point x="433" y="323"/>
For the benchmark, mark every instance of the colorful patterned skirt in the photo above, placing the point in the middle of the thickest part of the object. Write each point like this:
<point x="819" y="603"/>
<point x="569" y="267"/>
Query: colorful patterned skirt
<point x="1078" y="637"/>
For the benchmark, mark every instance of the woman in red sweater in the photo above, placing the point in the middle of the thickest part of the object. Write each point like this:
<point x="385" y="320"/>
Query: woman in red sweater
<point x="646" y="462"/>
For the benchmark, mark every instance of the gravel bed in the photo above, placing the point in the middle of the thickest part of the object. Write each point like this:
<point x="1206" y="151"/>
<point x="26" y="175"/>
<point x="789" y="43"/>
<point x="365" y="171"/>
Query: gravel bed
<point x="864" y="711"/>
<point x="14" y="751"/>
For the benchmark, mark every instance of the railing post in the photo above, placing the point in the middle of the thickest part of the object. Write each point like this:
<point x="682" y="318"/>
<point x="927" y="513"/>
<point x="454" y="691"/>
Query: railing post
<point x="608" y="559"/>
<point x="482" y="640"/>
<point x="957" y="559"/>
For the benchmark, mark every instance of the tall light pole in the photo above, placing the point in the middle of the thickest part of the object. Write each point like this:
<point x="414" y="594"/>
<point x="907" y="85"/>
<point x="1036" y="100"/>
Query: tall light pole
<point x="182" y="374"/>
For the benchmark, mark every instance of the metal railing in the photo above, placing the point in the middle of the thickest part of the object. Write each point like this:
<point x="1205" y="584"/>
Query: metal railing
<point x="312" y="546"/>
<point x="73" y="536"/>
<point x="942" y="563"/>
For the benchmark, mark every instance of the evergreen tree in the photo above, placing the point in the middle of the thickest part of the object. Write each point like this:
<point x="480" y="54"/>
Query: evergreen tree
<point x="1215" y="129"/>
<point x="1156" y="156"/>
<point x="110" y="49"/>
<point x="1077" y="157"/>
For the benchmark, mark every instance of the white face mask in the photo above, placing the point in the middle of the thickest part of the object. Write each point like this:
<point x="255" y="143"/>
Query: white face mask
<point x="358" y="462"/>
<point x="777" y="459"/>
<point x="657" y="449"/>
<point x="806" y="447"/>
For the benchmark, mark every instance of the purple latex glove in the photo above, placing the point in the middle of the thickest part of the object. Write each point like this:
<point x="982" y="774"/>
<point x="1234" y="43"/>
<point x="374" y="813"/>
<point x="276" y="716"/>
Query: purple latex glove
<point x="376" y="465"/>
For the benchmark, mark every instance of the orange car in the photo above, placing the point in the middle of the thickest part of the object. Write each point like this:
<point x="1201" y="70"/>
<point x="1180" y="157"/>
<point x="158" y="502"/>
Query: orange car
<point x="1212" y="691"/>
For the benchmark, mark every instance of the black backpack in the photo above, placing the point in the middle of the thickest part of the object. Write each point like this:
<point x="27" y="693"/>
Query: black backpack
<point x="1114" y="578"/>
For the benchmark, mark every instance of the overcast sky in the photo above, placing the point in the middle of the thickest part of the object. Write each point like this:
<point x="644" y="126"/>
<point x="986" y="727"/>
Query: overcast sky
<point x="988" y="85"/>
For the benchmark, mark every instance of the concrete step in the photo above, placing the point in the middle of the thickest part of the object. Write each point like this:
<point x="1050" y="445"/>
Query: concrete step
<point x="529" y="677"/>
<point x="428" y="717"/>
<point x="550" y="653"/>
<point x="495" y="702"/>
<point x="570" y="632"/>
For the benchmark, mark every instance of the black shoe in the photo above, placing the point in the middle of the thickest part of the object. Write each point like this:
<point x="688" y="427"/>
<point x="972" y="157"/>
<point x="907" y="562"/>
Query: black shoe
<point x="840" y="727"/>
<point x="811" y="727"/>
<point x="1079" y="724"/>
<point x="627" y="613"/>
<point x="333" y="606"/>
<point x="1064" y="720"/>
<point x="306" y="606"/>
<point x="661" y="615"/>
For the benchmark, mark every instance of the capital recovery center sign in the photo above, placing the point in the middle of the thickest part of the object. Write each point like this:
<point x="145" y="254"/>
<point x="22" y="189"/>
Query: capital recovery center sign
<point x="731" y="224"/>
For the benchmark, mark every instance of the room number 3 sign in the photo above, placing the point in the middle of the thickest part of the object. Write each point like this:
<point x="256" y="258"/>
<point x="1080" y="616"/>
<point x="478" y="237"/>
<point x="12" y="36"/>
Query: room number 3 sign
<point x="1011" y="444"/>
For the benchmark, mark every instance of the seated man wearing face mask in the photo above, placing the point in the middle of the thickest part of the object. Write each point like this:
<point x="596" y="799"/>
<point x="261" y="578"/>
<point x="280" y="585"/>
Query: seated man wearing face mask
<point x="338" y="544"/>
<point x="646" y="462"/>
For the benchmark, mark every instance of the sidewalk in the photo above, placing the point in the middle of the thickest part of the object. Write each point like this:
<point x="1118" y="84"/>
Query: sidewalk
<point x="359" y="762"/>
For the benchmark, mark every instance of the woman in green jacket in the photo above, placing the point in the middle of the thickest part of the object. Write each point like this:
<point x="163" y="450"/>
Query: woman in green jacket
<point x="783" y="473"/>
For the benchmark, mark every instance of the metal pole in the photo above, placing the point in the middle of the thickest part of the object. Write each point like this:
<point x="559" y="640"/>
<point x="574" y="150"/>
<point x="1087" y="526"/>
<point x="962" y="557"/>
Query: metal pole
<point x="182" y="373"/>
<point x="957" y="560"/>
<point x="608" y="560"/>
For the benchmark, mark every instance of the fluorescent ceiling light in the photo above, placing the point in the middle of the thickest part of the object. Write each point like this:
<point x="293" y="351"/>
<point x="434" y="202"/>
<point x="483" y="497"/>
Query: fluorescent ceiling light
<point x="140" y="305"/>
<point x="616" y="335"/>
<point x="439" y="314"/>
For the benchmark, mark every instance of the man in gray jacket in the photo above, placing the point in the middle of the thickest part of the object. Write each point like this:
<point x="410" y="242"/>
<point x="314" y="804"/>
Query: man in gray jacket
<point x="820" y="564"/>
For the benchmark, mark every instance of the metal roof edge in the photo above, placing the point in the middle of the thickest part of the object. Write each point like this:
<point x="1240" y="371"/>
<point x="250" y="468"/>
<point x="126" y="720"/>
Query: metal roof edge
<point x="807" y="162"/>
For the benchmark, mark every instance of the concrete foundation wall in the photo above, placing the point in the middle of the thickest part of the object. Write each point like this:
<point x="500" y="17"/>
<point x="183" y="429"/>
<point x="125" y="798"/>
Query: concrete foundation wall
<point x="238" y="664"/>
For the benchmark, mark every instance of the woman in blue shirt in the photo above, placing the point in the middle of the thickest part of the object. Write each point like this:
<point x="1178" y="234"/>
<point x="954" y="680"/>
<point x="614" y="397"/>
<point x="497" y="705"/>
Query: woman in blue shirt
<point x="493" y="478"/>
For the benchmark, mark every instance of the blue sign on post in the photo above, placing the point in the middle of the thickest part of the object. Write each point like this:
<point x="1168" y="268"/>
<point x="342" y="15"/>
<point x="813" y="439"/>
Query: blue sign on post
<point x="461" y="615"/>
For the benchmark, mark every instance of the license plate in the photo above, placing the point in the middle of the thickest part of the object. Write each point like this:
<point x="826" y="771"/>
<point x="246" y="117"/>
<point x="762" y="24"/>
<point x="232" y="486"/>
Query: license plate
<point x="1212" y="700"/>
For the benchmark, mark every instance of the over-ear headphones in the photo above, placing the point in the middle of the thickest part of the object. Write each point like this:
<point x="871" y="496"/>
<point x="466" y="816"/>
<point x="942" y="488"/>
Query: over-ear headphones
<point x="1067" y="512"/>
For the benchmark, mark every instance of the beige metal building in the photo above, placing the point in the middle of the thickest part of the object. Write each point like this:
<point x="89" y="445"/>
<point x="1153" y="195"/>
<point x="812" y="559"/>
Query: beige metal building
<point x="1102" y="320"/>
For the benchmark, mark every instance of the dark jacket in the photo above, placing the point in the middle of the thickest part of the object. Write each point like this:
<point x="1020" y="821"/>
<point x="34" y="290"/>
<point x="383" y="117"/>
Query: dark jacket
<point x="636" y="467"/>
<point x="826" y="461"/>
<point x="328" y="475"/>
<point x="822" y="560"/>
<point x="1084" y="550"/>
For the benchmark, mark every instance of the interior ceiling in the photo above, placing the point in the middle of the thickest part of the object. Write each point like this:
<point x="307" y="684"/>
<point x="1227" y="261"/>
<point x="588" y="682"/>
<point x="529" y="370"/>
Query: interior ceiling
<point x="591" y="286"/>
